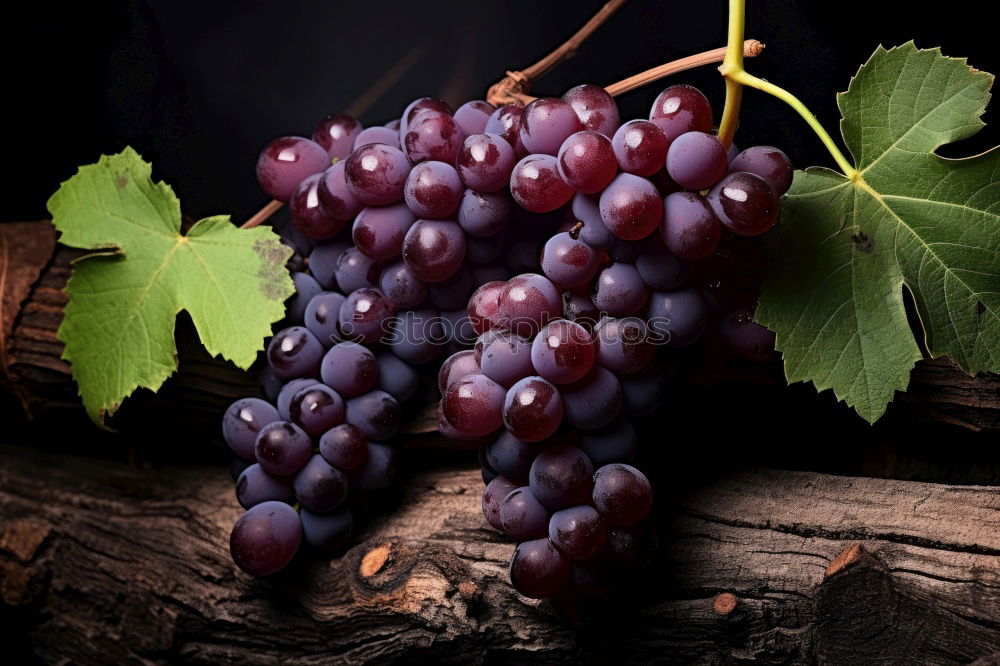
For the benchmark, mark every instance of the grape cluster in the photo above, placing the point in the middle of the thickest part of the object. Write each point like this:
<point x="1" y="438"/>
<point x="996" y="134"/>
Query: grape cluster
<point x="544" y="252"/>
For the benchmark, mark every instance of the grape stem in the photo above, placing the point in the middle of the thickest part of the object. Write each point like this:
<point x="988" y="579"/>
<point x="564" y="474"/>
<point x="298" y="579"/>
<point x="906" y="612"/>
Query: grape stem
<point x="751" y="48"/>
<point x="737" y="77"/>
<point x="263" y="214"/>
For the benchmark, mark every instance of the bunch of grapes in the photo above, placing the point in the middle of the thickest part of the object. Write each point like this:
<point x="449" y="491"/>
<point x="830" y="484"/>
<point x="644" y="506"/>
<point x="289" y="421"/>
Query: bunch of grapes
<point x="554" y="241"/>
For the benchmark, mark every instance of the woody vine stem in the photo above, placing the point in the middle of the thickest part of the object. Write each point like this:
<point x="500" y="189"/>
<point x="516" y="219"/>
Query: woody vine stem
<point x="737" y="77"/>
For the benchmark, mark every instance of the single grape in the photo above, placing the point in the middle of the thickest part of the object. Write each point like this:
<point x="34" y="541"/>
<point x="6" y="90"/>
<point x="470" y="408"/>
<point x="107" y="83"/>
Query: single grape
<point x="627" y="546"/>
<point x="659" y="268"/>
<point x="401" y="286"/>
<point x="538" y="570"/>
<point x="563" y="352"/>
<point x="619" y="290"/>
<point x="323" y="263"/>
<point x="316" y="409"/>
<point x="265" y="538"/>
<point x="506" y="122"/>
<point x="631" y="207"/>
<point x="377" y="471"/>
<point x="422" y="104"/>
<point x="578" y="532"/>
<point x="506" y="358"/>
<point x="458" y="365"/>
<point x="294" y="352"/>
<point x="587" y="162"/>
<point x="679" y="109"/>
<point x="533" y="409"/>
<point x="483" y="341"/>
<point x="286" y="162"/>
<point x="327" y="531"/>
<point x="622" y="494"/>
<point x="696" y="160"/>
<point x="473" y="405"/>
<point x="336" y="134"/>
<point x="523" y="517"/>
<point x="580" y="308"/>
<point x="363" y="315"/>
<point x="640" y="147"/>
<point x="416" y="336"/>
<point x="355" y="270"/>
<point x="386" y="135"/>
<point x="615" y="443"/>
<point x="568" y="261"/>
<point x="434" y="249"/>
<point x="378" y="232"/>
<point x="749" y="340"/>
<point x="624" y="345"/>
<point x="375" y="413"/>
<point x="594" y="401"/>
<point x="309" y="214"/>
<point x="344" y="446"/>
<point x="473" y="116"/>
<point x="526" y="303"/>
<point x="433" y="190"/>
<point x="484" y="304"/>
<point x="243" y="421"/>
<point x="282" y="448"/>
<point x="509" y="456"/>
<point x="319" y="486"/>
<point x="453" y="293"/>
<point x="560" y="477"/>
<point x="537" y="186"/>
<point x="349" y="369"/>
<point x="484" y="215"/>
<point x="594" y="232"/>
<point x="285" y="395"/>
<point x="321" y="317"/>
<point x="767" y="162"/>
<point x="485" y="472"/>
<point x="432" y="135"/>
<point x="450" y="432"/>
<point x="546" y="123"/>
<point x="690" y="229"/>
<point x="306" y="287"/>
<point x="644" y="391"/>
<point x="396" y="377"/>
<point x="485" y="162"/>
<point x="254" y="486"/>
<point x="376" y="174"/>
<point x="594" y="107"/>
<point x="677" y="317"/>
<point x="744" y="203"/>
<point x="495" y="492"/>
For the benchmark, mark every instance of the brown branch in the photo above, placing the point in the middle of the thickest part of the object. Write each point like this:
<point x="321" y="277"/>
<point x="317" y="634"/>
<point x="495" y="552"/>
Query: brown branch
<point x="751" y="48"/>
<point x="263" y="214"/>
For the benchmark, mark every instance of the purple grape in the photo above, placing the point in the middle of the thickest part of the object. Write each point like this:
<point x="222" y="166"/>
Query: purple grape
<point x="631" y="207"/>
<point x="509" y="456"/>
<point x="486" y="250"/>
<point x="506" y="122"/>
<point x="690" y="229"/>
<point x="293" y="237"/>
<point x="523" y="517"/>
<point x="316" y="409"/>
<point x="485" y="162"/>
<point x="376" y="174"/>
<point x="270" y="383"/>
<point x="484" y="215"/>
<point x="309" y="214"/>
<point x="624" y="345"/>
<point x="537" y="186"/>
<point x="327" y="531"/>
<point x="569" y="262"/>
<point x="265" y="539"/>
<point x="594" y="401"/>
<point x="644" y="391"/>
<point x="587" y="162"/>
<point x="767" y="162"/>
<point x="320" y="487"/>
<point x="594" y="232"/>
<point x="349" y="369"/>
<point x="679" y="109"/>
<point x="546" y="123"/>
<point x="355" y="270"/>
<point x="363" y="315"/>
<point x="286" y="162"/>
<point x="744" y="203"/>
<point x="473" y="405"/>
<point x="306" y="287"/>
<point x="282" y="448"/>
<point x="484" y="305"/>
<point x="619" y="290"/>
<point x="344" y="446"/>
<point x="336" y="133"/>
<point x="473" y="116"/>
<point x="748" y="339"/>
<point x="563" y="352"/>
<point x="594" y="107"/>
<point x="526" y="303"/>
<point x="622" y="494"/>
<point x="450" y="432"/>
<point x="254" y="486"/>
<point x="640" y="147"/>
<point x="377" y="471"/>
<point x="384" y="135"/>
<point x="677" y="317"/>
<point x="396" y="377"/>
<point x="421" y="104"/>
<point x="294" y="352"/>
<point x="243" y="421"/>
<point x="538" y="570"/>
<point x="560" y="477"/>
<point x="506" y="358"/>
<point x="659" y="268"/>
<point x="323" y="263"/>
<point x="431" y="135"/>
<point x="458" y="365"/>
<point x="321" y="317"/>
<point x="453" y="293"/>
<point x="495" y="492"/>
<point x="533" y="409"/>
<point x="434" y="249"/>
<point x="696" y="160"/>
<point x="416" y="336"/>
<point x="484" y="340"/>
<point x="375" y="413"/>
<point x="580" y="308"/>
<point x="615" y="443"/>
<point x="578" y="532"/>
<point x="287" y="392"/>
<point x="378" y="232"/>
<point x="433" y="190"/>
<point x="401" y="286"/>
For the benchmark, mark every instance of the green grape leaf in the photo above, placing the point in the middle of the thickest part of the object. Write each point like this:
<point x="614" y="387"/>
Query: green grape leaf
<point x="125" y="296"/>
<point x="910" y="219"/>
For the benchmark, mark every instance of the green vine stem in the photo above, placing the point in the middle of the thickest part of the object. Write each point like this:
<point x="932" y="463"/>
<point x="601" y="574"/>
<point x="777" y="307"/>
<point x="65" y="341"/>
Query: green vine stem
<point x="737" y="77"/>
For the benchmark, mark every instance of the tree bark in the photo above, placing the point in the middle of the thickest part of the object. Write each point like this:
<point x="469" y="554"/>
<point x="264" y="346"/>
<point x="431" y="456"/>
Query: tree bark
<point x="104" y="563"/>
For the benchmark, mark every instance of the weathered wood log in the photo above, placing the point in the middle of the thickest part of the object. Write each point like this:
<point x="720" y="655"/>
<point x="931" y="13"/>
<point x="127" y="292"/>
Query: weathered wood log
<point x="102" y="563"/>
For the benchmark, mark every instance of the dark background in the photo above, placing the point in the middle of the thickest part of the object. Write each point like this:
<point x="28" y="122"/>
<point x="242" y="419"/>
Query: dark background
<point x="199" y="88"/>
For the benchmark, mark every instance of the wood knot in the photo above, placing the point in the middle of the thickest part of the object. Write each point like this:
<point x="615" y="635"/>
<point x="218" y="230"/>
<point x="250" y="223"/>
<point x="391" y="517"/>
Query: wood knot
<point x="725" y="603"/>
<point x="374" y="560"/>
<point x="22" y="538"/>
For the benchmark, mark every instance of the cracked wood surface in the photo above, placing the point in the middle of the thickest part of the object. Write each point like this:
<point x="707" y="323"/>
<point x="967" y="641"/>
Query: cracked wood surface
<point x="104" y="563"/>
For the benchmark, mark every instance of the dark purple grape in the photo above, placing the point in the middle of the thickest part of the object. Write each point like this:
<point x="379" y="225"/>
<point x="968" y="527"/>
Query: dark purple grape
<point x="522" y="516"/>
<point x="386" y="135"/>
<point x="363" y="315"/>
<point x="458" y="365"/>
<point x="631" y="207"/>
<point x="659" y="268"/>
<point x="563" y="352"/>
<point x="396" y="377"/>
<point x="640" y="148"/>
<point x="622" y="494"/>
<point x="355" y="270"/>
<point x="626" y="545"/>
<point x="327" y="531"/>
<point x="377" y="471"/>
<point x="679" y="109"/>
<point x="270" y="383"/>
<point x="748" y="339"/>
<point x="450" y="432"/>
<point x="696" y="160"/>
<point x="286" y="162"/>
<point x="287" y="392"/>
<point x="767" y="162"/>
<point x="254" y="486"/>
<point x="376" y="174"/>
<point x="416" y="336"/>
<point x="537" y="186"/>
<point x="282" y="448"/>
<point x="569" y="262"/>
<point x="690" y="229"/>
<point x="615" y="443"/>
<point x="323" y="263"/>
<point x="473" y="116"/>
<point x="677" y="317"/>
<point x="509" y="456"/>
<point x="484" y="304"/>
<point x="432" y="135"/>
<point x="526" y="303"/>
<point x="594" y="401"/>
<point x="309" y="214"/>
<point x="378" y="233"/>
<point x="349" y="369"/>
<point x="506" y="358"/>
<point x="744" y="203"/>
<point x="619" y="290"/>
<point x="401" y="286"/>
<point x="434" y="249"/>
<point x="546" y="123"/>
<point x="306" y="287"/>
<point x="624" y="345"/>
<point x="587" y="162"/>
<point x="265" y="539"/>
<point x="433" y="190"/>
<point x="506" y="122"/>
<point x="594" y="107"/>
<point x="578" y="532"/>
<point x="495" y="492"/>
<point x="560" y="477"/>
<point x="473" y="405"/>
<point x="321" y="317"/>
<point x="594" y="233"/>
<point x="644" y="391"/>
<point x="344" y="446"/>
<point x="453" y="293"/>
<point x="294" y="352"/>
<point x="375" y="413"/>
<point x="485" y="162"/>
<point x="319" y="486"/>
<point x="538" y="570"/>
<point x="533" y="409"/>
<point x="484" y="216"/>
<point x="336" y="133"/>
<point x="422" y="104"/>
<point x="243" y="421"/>
<point x="316" y="409"/>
